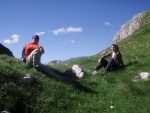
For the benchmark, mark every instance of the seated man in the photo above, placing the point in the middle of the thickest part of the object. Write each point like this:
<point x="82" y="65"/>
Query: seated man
<point x="115" y="61"/>
<point x="32" y="53"/>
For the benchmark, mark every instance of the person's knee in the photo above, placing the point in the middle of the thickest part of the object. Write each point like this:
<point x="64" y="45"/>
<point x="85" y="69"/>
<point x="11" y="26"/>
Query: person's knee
<point x="111" y="60"/>
<point x="97" y="67"/>
<point x="37" y="51"/>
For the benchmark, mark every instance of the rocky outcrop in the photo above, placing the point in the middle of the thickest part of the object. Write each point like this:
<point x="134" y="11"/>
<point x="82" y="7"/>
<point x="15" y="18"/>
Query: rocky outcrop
<point x="55" y="62"/>
<point x="5" y="50"/>
<point x="128" y="28"/>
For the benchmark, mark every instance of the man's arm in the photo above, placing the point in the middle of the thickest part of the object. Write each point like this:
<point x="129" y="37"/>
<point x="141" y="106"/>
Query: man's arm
<point x="42" y="49"/>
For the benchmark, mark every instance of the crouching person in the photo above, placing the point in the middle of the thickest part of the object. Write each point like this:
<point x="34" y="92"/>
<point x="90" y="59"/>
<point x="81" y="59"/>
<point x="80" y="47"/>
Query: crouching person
<point x="32" y="53"/>
<point x="114" y="63"/>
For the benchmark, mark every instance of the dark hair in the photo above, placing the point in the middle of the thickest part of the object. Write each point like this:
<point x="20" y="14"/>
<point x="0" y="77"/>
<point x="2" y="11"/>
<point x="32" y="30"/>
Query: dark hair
<point x="35" y="36"/>
<point x="115" y="46"/>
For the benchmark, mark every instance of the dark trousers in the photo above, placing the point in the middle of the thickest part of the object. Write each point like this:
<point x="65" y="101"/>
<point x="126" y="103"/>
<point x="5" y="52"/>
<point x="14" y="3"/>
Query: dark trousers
<point x="109" y="65"/>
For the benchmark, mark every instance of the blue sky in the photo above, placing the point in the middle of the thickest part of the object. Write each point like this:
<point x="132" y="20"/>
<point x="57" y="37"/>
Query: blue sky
<point x="67" y="28"/>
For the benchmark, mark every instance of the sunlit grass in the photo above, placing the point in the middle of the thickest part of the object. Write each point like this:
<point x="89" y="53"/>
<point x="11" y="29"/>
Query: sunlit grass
<point x="90" y="94"/>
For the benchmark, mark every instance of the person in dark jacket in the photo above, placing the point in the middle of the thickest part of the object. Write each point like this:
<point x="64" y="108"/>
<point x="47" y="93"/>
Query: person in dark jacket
<point x="114" y="63"/>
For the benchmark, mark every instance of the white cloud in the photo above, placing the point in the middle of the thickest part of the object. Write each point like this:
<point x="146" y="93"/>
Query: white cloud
<point x="107" y="24"/>
<point x="73" y="29"/>
<point x="67" y="30"/>
<point x="40" y="33"/>
<point x="14" y="39"/>
<point x="59" y="31"/>
<point x="72" y="41"/>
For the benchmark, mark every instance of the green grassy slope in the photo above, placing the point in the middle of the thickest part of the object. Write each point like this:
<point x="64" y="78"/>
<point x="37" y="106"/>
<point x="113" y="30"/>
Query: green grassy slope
<point x="92" y="93"/>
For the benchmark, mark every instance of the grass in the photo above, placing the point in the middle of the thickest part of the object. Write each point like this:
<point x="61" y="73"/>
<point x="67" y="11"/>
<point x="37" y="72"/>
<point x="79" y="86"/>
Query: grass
<point x="90" y="94"/>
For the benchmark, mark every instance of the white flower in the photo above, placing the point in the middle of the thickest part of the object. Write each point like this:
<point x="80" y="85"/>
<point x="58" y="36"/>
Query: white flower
<point x="111" y="107"/>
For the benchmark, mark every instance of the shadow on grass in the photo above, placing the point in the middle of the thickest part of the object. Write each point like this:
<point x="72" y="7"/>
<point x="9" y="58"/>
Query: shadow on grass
<point x="130" y="63"/>
<point x="71" y="80"/>
<point x="78" y="86"/>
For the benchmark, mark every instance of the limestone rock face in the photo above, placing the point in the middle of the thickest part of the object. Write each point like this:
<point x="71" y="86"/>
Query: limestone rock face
<point x="128" y="28"/>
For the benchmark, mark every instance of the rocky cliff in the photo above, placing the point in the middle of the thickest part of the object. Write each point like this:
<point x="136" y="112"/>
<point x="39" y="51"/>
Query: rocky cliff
<point x="55" y="62"/>
<point x="128" y="28"/>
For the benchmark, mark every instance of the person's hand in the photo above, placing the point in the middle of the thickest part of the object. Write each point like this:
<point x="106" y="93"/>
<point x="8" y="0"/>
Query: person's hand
<point x="41" y="49"/>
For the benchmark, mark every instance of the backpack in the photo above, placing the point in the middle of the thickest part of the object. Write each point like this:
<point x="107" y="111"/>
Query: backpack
<point x="23" y="54"/>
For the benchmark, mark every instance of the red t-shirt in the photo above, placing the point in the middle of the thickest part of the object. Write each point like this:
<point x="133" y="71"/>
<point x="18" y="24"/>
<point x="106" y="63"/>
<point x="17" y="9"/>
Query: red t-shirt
<point x="30" y="47"/>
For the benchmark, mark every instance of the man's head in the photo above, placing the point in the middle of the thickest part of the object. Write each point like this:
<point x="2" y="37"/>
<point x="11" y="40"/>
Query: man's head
<point x="35" y="39"/>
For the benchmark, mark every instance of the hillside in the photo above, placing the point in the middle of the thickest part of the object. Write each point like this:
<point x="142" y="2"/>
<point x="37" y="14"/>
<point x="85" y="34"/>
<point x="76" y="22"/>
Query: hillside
<point x="114" y="92"/>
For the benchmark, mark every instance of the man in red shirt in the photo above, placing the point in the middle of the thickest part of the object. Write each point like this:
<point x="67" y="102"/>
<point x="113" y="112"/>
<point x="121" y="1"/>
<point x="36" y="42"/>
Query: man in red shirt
<point x="32" y="55"/>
